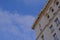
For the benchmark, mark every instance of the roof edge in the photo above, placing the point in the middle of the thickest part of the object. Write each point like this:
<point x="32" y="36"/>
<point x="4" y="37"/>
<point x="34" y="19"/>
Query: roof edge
<point x="40" y="14"/>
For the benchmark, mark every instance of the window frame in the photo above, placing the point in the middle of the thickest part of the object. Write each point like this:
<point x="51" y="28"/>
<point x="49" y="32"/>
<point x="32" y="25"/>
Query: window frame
<point x="42" y="37"/>
<point x="55" y="36"/>
<point x="52" y="28"/>
<point x="57" y="21"/>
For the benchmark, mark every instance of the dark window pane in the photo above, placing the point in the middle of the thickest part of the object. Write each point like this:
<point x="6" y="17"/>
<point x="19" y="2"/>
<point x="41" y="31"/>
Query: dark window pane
<point x="55" y="37"/>
<point x="59" y="29"/>
<point x="52" y="10"/>
<point x="57" y="3"/>
<point x="57" y="21"/>
<point x="42" y="37"/>
<point x="52" y="28"/>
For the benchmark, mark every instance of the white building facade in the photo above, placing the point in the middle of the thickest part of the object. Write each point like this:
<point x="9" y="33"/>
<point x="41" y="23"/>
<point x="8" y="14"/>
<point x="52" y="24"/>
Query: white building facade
<point x="47" y="25"/>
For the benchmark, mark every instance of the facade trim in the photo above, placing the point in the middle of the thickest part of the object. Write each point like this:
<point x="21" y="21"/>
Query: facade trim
<point x="42" y="13"/>
<point x="56" y="13"/>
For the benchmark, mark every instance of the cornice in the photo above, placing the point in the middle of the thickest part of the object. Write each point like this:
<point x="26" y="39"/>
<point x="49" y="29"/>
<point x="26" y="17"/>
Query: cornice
<point x="42" y="13"/>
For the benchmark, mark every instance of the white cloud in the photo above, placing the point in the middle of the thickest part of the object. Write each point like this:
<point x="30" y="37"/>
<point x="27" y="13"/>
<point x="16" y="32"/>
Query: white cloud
<point x="15" y="26"/>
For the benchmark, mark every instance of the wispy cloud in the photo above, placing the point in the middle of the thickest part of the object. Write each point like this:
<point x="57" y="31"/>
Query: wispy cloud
<point x="15" y="26"/>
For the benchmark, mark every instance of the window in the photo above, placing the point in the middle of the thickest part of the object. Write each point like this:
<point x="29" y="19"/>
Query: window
<point x="58" y="6"/>
<point x="42" y="37"/>
<point x="55" y="37"/>
<point x="40" y="27"/>
<point x="52" y="10"/>
<point x="47" y="16"/>
<point x="57" y="21"/>
<point x="51" y="28"/>
<point x="59" y="29"/>
<point x="57" y="3"/>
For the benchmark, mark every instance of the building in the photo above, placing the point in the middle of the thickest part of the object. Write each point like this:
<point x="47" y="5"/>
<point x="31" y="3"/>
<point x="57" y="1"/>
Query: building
<point x="47" y="24"/>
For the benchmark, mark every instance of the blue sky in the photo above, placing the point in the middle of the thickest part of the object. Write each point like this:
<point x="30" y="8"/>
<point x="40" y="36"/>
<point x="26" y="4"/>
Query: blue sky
<point x="17" y="18"/>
